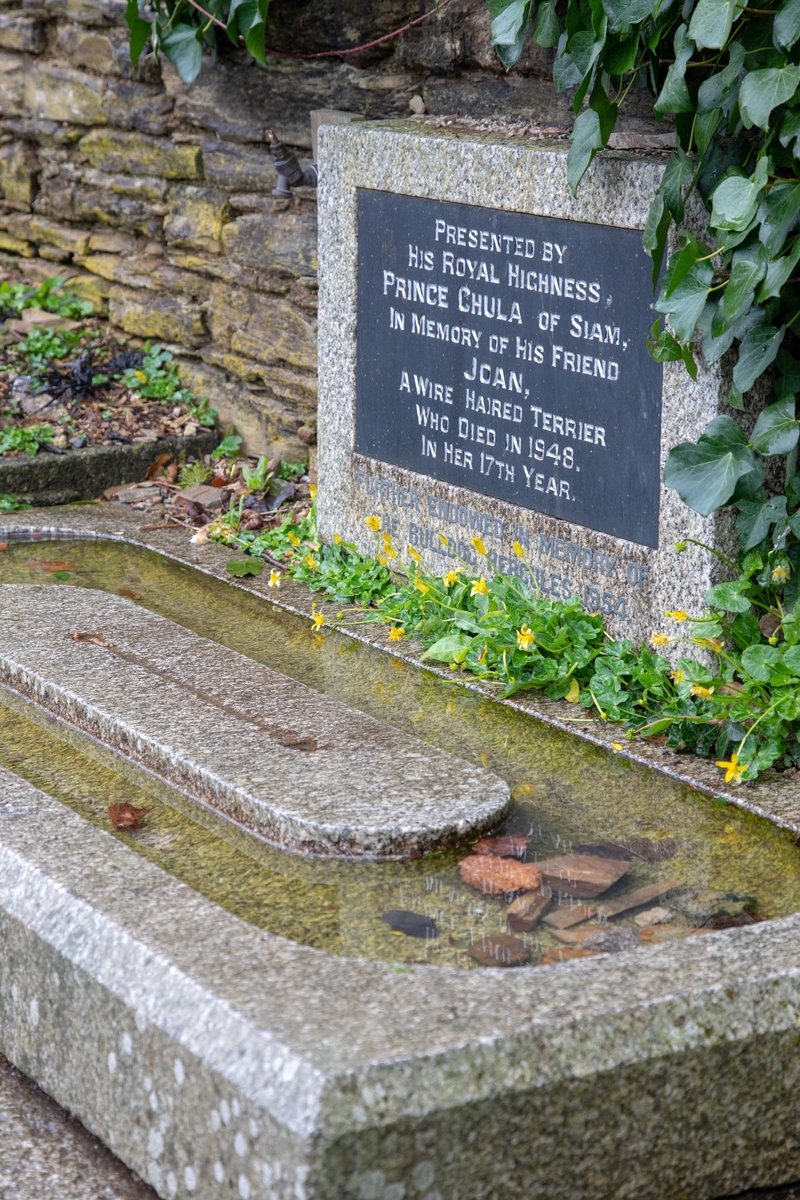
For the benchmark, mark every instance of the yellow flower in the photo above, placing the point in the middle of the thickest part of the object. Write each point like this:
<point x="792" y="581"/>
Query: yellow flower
<point x="714" y="644"/>
<point x="396" y="633"/>
<point x="337" y="539"/>
<point x="616" y="746"/>
<point x="141" y="375"/>
<point x="318" y="620"/>
<point x="382" y="559"/>
<point x="574" y="693"/>
<point x="680" y="615"/>
<point x="312" y="491"/>
<point x="479" y="546"/>
<point x="450" y="578"/>
<point x="525" y="638"/>
<point x="781" y="573"/>
<point x="373" y="523"/>
<point x="415" y="554"/>
<point x="704" y="692"/>
<point x="479" y="587"/>
<point x="293" y="538"/>
<point x="444" y="541"/>
<point x="389" y="550"/>
<point x="421" y="587"/>
<point x="733" y="771"/>
<point x="310" y="562"/>
<point x="678" y="676"/>
<point x="387" y="538"/>
<point x="518" y="549"/>
<point x="659" y="639"/>
<point x="274" y="579"/>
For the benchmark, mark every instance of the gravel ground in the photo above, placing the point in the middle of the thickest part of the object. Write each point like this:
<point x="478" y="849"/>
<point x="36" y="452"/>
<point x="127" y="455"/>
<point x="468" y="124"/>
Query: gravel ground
<point x="47" y="1155"/>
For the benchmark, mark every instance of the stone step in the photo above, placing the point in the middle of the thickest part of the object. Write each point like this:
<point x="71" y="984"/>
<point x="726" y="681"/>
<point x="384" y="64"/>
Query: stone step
<point x="295" y="767"/>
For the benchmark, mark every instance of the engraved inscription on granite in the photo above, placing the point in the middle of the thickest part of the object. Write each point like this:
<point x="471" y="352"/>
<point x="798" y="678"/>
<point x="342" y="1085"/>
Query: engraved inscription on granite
<point x="506" y="353"/>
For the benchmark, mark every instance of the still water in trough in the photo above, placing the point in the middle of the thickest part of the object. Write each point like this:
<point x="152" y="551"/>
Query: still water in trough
<point x="726" y="865"/>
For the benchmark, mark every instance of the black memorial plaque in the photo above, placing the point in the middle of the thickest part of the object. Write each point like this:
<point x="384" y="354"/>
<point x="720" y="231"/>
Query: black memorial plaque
<point x="506" y="353"/>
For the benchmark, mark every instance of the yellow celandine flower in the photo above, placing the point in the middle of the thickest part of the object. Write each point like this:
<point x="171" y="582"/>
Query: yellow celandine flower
<point x="679" y="615"/>
<point x="382" y="559"/>
<point x="444" y="541"/>
<point x="715" y="644"/>
<point x="396" y="633"/>
<point x="450" y="578"/>
<point x="318" y="620"/>
<point x="678" y="676"/>
<point x="293" y="538"/>
<point x="337" y="539"/>
<point x="479" y="587"/>
<point x="733" y="769"/>
<point x="274" y="579"/>
<point x="574" y="694"/>
<point x="373" y="523"/>
<point x="659" y="639"/>
<point x="389" y="550"/>
<point x="312" y="491"/>
<point x="387" y="538"/>
<point x="415" y="554"/>
<point x="525" y="637"/>
<point x="479" y="546"/>
<point x="421" y="587"/>
<point x="310" y="562"/>
<point x="518" y="549"/>
<point x="781" y="573"/>
<point x="141" y="375"/>
<point x="704" y="692"/>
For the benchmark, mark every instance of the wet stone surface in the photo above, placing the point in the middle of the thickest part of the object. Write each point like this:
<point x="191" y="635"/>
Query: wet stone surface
<point x="305" y="772"/>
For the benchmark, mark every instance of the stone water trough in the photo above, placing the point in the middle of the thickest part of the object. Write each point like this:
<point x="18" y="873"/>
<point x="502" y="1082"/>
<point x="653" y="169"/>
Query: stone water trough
<point x="218" y="1059"/>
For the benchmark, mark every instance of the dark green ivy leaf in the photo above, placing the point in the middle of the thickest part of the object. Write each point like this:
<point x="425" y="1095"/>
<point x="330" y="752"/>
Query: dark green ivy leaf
<point x="712" y="21"/>
<point x="735" y="199"/>
<point x="756" y="518"/>
<point x="721" y="90"/>
<point x="547" y="30"/>
<point x="140" y="30"/>
<point x="674" y="96"/>
<point x="756" y="351"/>
<point x="786" y="26"/>
<point x="587" y="139"/>
<point x="623" y="13"/>
<point x="509" y="27"/>
<point x="761" y="91"/>
<point x="777" y="428"/>
<point x="183" y="46"/>
<point x="705" y="473"/>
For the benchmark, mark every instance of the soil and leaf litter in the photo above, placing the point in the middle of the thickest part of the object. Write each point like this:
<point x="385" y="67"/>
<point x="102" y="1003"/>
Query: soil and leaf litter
<point x="68" y="381"/>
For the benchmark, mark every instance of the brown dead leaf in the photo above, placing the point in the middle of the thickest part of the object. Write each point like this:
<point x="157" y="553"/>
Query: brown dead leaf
<point x="51" y="567"/>
<point x="157" y="467"/>
<point x="129" y="594"/>
<point x="89" y="637"/>
<point x="126" y="816"/>
<point x="495" y="876"/>
<point x="513" y="845"/>
<point x="3" y="545"/>
<point x="499" y="950"/>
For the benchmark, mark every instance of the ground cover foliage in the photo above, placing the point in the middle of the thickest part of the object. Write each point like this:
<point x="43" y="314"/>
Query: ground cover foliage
<point x="76" y="384"/>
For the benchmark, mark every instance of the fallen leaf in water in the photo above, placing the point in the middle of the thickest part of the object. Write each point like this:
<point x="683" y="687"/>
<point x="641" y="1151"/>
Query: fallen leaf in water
<point x="157" y="467"/>
<point x="494" y="876"/>
<point x="559" y="954"/>
<point x="582" y="875"/>
<point x="3" y="545"/>
<point x="52" y="568"/>
<point x="128" y="593"/>
<point x="89" y="637"/>
<point x="410" y="923"/>
<point x="125" y="816"/>
<point x="499" y="950"/>
<point x="513" y="845"/>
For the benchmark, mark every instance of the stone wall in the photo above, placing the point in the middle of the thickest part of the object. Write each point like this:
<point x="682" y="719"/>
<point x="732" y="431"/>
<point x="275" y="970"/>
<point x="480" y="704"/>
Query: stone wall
<point x="156" y="197"/>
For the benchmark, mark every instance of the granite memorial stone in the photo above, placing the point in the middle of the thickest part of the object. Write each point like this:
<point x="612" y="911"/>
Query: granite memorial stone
<point x="484" y="369"/>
